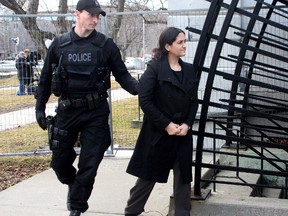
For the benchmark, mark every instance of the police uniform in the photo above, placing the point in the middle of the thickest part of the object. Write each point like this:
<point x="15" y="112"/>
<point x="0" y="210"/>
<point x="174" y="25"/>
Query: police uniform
<point x="85" y="64"/>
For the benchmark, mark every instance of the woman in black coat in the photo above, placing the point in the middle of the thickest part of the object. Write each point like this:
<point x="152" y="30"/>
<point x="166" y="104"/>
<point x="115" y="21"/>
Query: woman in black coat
<point x="168" y="98"/>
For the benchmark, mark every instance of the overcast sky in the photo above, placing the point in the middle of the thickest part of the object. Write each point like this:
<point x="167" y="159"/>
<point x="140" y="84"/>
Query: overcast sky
<point x="45" y="5"/>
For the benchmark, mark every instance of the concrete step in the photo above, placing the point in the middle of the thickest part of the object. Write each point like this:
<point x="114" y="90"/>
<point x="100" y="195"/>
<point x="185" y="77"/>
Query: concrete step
<point x="229" y="200"/>
<point x="266" y="191"/>
<point x="272" y="193"/>
<point x="222" y="205"/>
<point x="233" y="199"/>
<point x="234" y="189"/>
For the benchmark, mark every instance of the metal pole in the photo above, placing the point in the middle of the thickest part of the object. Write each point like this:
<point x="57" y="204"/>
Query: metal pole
<point x="110" y="150"/>
<point x="143" y="38"/>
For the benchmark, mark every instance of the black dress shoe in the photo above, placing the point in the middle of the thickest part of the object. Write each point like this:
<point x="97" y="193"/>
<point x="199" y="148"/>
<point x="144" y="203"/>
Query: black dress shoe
<point x="68" y="197"/>
<point x="75" y="213"/>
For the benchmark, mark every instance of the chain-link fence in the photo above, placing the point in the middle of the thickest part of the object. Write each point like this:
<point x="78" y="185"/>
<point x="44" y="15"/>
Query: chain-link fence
<point x="136" y="37"/>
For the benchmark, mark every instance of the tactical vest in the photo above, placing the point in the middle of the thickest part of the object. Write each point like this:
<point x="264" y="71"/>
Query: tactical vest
<point x="84" y="64"/>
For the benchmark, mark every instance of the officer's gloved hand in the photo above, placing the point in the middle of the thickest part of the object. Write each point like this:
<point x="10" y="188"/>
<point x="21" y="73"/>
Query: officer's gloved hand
<point x="136" y="89"/>
<point x="41" y="119"/>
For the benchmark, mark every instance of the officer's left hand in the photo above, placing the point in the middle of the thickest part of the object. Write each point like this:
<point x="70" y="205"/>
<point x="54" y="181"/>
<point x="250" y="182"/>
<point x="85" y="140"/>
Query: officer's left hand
<point x="41" y="119"/>
<point x="136" y="89"/>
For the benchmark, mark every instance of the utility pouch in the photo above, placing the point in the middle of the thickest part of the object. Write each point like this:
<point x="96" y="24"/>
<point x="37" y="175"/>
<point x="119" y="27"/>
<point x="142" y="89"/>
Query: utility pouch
<point x="102" y="90"/>
<point x="59" y="77"/>
<point x="53" y="135"/>
<point x="56" y="83"/>
<point x="54" y="144"/>
<point x="93" y="100"/>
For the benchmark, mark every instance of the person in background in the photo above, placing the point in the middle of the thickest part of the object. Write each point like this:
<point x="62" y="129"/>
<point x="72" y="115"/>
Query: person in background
<point x="21" y="72"/>
<point x="29" y="70"/>
<point x="77" y="69"/>
<point x="168" y="97"/>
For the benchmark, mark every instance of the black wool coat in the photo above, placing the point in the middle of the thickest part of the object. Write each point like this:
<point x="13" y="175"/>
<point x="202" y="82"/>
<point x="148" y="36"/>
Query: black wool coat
<point x="164" y="99"/>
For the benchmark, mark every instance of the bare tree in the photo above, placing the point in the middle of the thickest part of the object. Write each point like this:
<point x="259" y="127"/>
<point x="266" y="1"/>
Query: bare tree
<point x="117" y="24"/>
<point x="61" y="21"/>
<point x="129" y="30"/>
<point x="38" y="36"/>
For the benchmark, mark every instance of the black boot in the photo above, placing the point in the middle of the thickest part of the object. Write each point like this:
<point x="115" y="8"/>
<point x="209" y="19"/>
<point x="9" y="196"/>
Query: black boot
<point x="75" y="213"/>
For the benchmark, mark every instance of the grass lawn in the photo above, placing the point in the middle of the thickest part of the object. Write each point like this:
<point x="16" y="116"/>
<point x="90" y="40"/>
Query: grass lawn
<point x="31" y="137"/>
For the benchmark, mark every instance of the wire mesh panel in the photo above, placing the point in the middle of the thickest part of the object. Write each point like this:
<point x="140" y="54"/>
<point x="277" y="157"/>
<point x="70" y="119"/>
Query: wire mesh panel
<point x="136" y="37"/>
<point x="33" y="33"/>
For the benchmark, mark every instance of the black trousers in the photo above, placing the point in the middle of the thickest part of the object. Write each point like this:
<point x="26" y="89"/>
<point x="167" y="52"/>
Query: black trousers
<point x="142" y="189"/>
<point x="92" y="125"/>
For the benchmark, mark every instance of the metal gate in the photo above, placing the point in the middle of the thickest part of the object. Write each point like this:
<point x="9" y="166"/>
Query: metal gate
<point x="251" y="122"/>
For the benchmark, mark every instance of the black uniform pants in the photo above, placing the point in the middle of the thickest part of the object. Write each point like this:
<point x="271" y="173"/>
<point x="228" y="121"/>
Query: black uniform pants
<point x="92" y="125"/>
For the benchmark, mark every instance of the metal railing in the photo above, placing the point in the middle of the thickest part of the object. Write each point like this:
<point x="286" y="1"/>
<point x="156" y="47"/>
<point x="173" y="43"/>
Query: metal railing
<point x="253" y="119"/>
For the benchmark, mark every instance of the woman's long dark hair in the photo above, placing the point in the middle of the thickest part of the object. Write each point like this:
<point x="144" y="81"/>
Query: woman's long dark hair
<point x="168" y="36"/>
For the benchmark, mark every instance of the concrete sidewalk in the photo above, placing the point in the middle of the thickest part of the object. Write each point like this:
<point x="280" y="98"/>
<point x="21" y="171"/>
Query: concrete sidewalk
<point x="43" y="194"/>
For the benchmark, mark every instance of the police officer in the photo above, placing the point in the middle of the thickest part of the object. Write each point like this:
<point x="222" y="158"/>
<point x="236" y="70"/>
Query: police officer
<point x="77" y="69"/>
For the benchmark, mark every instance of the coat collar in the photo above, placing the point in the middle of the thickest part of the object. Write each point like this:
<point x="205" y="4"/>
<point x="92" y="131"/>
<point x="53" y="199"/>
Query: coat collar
<point x="166" y="74"/>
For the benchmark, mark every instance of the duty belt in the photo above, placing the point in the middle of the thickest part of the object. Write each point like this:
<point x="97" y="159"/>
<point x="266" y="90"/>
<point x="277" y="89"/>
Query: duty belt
<point x="91" y="101"/>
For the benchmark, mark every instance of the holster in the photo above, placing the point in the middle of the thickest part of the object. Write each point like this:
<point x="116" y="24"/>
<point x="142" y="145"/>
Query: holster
<point x="54" y="133"/>
<point x="53" y="144"/>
